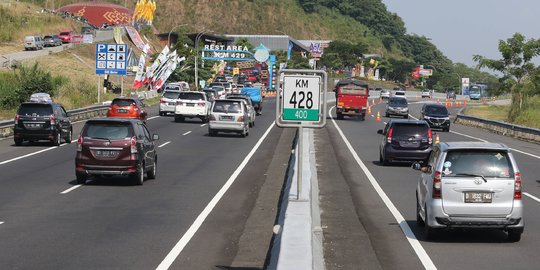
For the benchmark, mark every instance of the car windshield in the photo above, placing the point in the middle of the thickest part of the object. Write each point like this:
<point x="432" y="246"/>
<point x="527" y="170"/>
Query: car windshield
<point x="47" y="37"/>
<point x="29" y="39"/>
<point x="410" y="130"/>
<point x="64" y="33"/>
<point x="191" y="96"/>
<point x="439" y="110"/>
<point x="171" y="94"/>
<point x="494" y="164"/>
<point x="228" y="106"/>
<point x="123" y="102"/>
<point x="397" y="102"/>
<point x="400" y="93"/>
<point x="35" y="109"/>
<point x="172" y="87"/>
<point x="111" y="131"/>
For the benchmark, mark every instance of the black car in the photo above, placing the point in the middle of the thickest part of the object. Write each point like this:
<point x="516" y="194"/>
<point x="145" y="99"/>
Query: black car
<point x="116" y="146"/>
<point x="397" y="106"/>
<point x="405" y="140"/>
<point x="42" y="121"/>
<point x="436" y="115"/>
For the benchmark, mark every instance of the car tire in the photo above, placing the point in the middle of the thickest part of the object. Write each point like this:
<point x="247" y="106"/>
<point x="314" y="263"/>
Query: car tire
<point x="161" y="114"/>
<point x="387" y="115"/>
<point x="447" y="129"/>
<point x="382" y="160"/>
<point x="81" y="178"/>
<point x="139" y="176"/>
<point x="179" y="118"/>
<point x="69" y="138"/>
<point x="18" y="141"/>
<point x="340" y="116"/>
<point x="406" y="117"/>
<point x="152" y="173"/>
<point x="419" y="220"/>
<point x="212" y="132"/>
<point x="514" y="235"/>
<point x="57" y="139"/>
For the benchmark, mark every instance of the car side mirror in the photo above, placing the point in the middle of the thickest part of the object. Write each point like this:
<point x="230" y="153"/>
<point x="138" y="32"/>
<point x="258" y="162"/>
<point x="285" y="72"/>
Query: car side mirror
<point x="155" y="137"/>
<point x="380" y="131"/>
<point x="416" y="166"/>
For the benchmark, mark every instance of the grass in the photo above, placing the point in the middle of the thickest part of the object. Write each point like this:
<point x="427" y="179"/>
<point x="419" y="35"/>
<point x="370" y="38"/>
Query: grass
<point x="499" y="113"/>
<point x="529" y="116"/>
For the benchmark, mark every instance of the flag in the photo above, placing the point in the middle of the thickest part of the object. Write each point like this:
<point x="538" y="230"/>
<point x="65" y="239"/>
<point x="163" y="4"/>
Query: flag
<point x="140" y="69"/>
<point x="163" y="78"/>
<point x="157" y="63"/>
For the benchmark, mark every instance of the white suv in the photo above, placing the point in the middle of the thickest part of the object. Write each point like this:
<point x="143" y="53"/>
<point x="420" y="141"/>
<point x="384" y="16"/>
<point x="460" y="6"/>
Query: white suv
<point x="167" y="103"/>
<point x="470" y="185"/>
<point x="192" y="104"/>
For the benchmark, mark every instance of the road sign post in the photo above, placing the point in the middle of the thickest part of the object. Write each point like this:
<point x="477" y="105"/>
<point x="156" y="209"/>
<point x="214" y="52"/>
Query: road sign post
<point x="301" y="103"/>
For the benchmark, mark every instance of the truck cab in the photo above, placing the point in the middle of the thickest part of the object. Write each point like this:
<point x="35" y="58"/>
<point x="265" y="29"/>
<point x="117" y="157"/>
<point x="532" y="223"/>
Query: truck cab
<point x="351" y="98"/>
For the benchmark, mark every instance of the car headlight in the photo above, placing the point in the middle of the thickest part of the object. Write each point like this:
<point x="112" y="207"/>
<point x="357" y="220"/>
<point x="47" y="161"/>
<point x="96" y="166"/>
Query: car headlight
<point x="426" y="117"/>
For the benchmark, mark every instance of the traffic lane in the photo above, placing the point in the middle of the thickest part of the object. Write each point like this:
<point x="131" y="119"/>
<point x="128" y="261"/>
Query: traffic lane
<point x="399" y="182"/>
<point x="126" y="219"/>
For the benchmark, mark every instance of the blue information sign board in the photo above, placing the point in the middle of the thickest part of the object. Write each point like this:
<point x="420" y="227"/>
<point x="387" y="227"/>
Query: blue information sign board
<point x="111" y="59"/>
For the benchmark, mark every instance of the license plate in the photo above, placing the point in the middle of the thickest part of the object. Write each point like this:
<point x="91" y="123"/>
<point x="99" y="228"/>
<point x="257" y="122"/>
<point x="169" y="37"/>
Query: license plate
<point x="225" y="117"/>
<point x="121" y="110"/>
<point x="407" y="143"/>
<point x="172" y="103"/>
<point x="106" y="153"/>
<point x="478" y="197"/>
<point x="190" y="104"/>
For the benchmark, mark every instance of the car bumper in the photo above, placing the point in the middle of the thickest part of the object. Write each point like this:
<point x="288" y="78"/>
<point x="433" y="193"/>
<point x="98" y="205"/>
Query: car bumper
<point x="439" y="219"/>
<point x="438" y="123"/>
<point x="398" y="112"/>
<point x="105" y="170"/>
<point x="35" y="134"/>
<point x="226" y="126"/>
<point x="191" y="112"/>
<point x="390" y="153"/>
<point x="164" y="107"/>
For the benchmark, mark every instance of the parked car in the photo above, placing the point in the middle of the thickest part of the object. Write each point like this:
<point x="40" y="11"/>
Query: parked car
<point x="427" y="94"/>
<point x="385" y="94"/>
<point x="192" y="105"/>
<point x="251" y="110"/>
<point x="167" y="103"/>
<point x="42" y="119"/>
<point x="127" y="107"/>
<point x="33" y="43"/>
<point x="66" y="36"/>
<point x="436" y="115"/>
<point x="52" y="41"/>
<point x="470" y="185"/>
<point x="397" y="106"/>
<point x="229" y="115"/>
<point x="116" y="146"/>
<point x="405" y="140"/>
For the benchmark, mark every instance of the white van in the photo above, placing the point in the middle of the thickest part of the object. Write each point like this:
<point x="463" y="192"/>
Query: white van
<point x="33" y="43"/>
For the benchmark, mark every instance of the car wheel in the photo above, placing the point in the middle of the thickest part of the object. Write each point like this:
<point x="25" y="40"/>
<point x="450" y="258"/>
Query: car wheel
<point x="139" y="176"/>
<point x="244" y="133"/>
<point x="69" y="138"/>
<point x="340" y="116"/>
<point x="161" y="114"/>
<point x="514" y="235"/>
<point x="387" y="115"/>
<point x="419" y="220"/>
<point x="406" y="117"/>
<point x="58" y="139"/>
<point x="382" y="160"/>
<point x="81" y="178"/>
<point x="429" y="232"/>
<point x="447" y="129"/>
<point x="212" y="132"/>
<point x="152" y="173"/>
<point x="18" y="141"/>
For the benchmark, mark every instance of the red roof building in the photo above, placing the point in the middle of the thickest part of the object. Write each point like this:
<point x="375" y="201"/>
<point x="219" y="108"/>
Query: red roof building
<point x="98" y="13"/>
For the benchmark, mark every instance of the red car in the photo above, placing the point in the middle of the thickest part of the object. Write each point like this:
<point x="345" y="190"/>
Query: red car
<point x="65" y="36"/>
<point x="127" y="107"/>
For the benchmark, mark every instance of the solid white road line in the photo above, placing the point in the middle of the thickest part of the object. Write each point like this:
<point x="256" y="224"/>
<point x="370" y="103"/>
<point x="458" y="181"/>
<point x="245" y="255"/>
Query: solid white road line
<point x="186" y="133"/>
<point x="28" y="155"/>
<point x="153" y="117"/>
<point x="203" y="125"/>
<point x="177" y="249"/>
<point x="531" y="196"/>
<point x="1" y="222"/>
<point x="164" y="144"/>
<point x="413" y="241"/>
<point x="70" y="189"/>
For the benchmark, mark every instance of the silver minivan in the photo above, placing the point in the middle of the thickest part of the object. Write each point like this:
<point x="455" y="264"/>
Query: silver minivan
<point x="470" y="185"/>
<point x="33" y="43"/>
<point x="229" y="115"/>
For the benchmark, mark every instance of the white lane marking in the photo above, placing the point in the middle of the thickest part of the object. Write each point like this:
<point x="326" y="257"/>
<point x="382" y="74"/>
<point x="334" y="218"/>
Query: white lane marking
<point x="186" y="133"/>
<point x="531" y="196"/>
<point x="385" y="123"/>
<point x="70" y="189"/>
<point x="164" y="144"/>
<point x="203" y="125"/>
<point x="1" y="222"/>
<point x="372" y="115"/>
<point x="153" y="117"/>
<point x="413" y="241"/>
<point x="27" y="155"/>
<point x="177" y="249"/>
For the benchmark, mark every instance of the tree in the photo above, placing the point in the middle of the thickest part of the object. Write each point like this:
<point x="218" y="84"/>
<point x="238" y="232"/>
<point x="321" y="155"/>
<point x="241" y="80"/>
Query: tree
<point x="516" y="66"/>
<point x="341" y="54"/>
<point x="244" y="42"/>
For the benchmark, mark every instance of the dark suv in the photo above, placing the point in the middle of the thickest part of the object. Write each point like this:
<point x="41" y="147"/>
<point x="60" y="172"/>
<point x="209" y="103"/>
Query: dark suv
<point x="116" y="146"/>
<point x="436" y="115"/>
<point x="397" y="106"/>
<point x="405" y="140"/>
<point x="42" y="121"/>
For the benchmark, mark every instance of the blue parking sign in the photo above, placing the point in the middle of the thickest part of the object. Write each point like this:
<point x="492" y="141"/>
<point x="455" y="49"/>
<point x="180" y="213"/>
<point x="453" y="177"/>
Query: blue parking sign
<point x="111" y="59"/>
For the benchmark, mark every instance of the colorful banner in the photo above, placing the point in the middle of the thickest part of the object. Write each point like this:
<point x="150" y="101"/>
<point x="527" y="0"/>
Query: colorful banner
<point x="157" y="63"/>
<point x="144" y="11"/>
<point x="139" y="80"/>
<point x="135" y="37"/>
<point x="163" y="78"/>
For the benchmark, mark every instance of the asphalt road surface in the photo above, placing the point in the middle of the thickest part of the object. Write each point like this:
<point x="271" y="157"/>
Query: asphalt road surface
<point x="387" y="234"/>
<point x="47" y="221"/>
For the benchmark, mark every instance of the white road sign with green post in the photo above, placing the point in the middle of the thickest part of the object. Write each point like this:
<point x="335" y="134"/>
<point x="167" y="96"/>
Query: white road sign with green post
<point x="301" y="98"/>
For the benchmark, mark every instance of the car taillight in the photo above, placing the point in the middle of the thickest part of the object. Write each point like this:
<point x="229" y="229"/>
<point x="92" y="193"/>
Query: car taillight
<point x="162" y="101"/>
<point x="517" y="187"/>
<point x="133" y="145"/>
<point x="389" y="137"/>
<point x="53" y="120"/>
<point x="17" y="117"/>
<point x="212" y="117"/>
<point x="240" y="119"/>
<point x="79" y="143"/>
<point x="430" y="136"/>
<point x="437" y="186"/>
<point x="135" y="108"/>
<point x="202" y="104"/>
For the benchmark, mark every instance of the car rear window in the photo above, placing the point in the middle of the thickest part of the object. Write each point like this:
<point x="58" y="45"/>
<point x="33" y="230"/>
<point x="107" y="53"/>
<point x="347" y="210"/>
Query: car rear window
<point x="29" y="39"/>
<point x="64" y="33"/>
<point x="111" y="131"/>
<point x="172" y="87"/>
<point x="397" y="101"/>
<point x="478" y="162"/>
<point x="35" y="109"/>
<point x="123" y="102"/>
<point x="46" y="37"/>
<point x="400" y="93"/>
<point x="410" y="130"/>
<point x="350" y="90"/>
<point x="171" y="94"/>
<point x="436" y="110"/>
<point x="228" y="106"/>
<point x="191" y="96"/>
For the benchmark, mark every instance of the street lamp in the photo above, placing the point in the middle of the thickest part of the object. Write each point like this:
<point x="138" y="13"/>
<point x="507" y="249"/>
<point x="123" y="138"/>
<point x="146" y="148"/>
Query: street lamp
<point x="169" y="38"/>
<point x="197" y="38"/>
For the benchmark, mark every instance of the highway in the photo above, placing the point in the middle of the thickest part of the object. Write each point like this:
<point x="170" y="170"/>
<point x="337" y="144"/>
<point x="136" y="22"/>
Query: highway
<point x="193" y="216"/>
<point x="392" y="236"/>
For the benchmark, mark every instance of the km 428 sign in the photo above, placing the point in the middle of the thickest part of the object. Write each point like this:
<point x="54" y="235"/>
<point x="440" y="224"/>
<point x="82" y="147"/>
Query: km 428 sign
<point x="301" y="98"/>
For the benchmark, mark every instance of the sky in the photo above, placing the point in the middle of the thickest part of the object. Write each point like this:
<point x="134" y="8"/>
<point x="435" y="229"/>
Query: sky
<point x="463" y="28"/>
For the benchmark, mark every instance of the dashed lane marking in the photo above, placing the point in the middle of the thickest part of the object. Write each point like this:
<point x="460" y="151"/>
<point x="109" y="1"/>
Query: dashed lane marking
<point x="164" y="144"/>
<point x="186" y="133"/>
